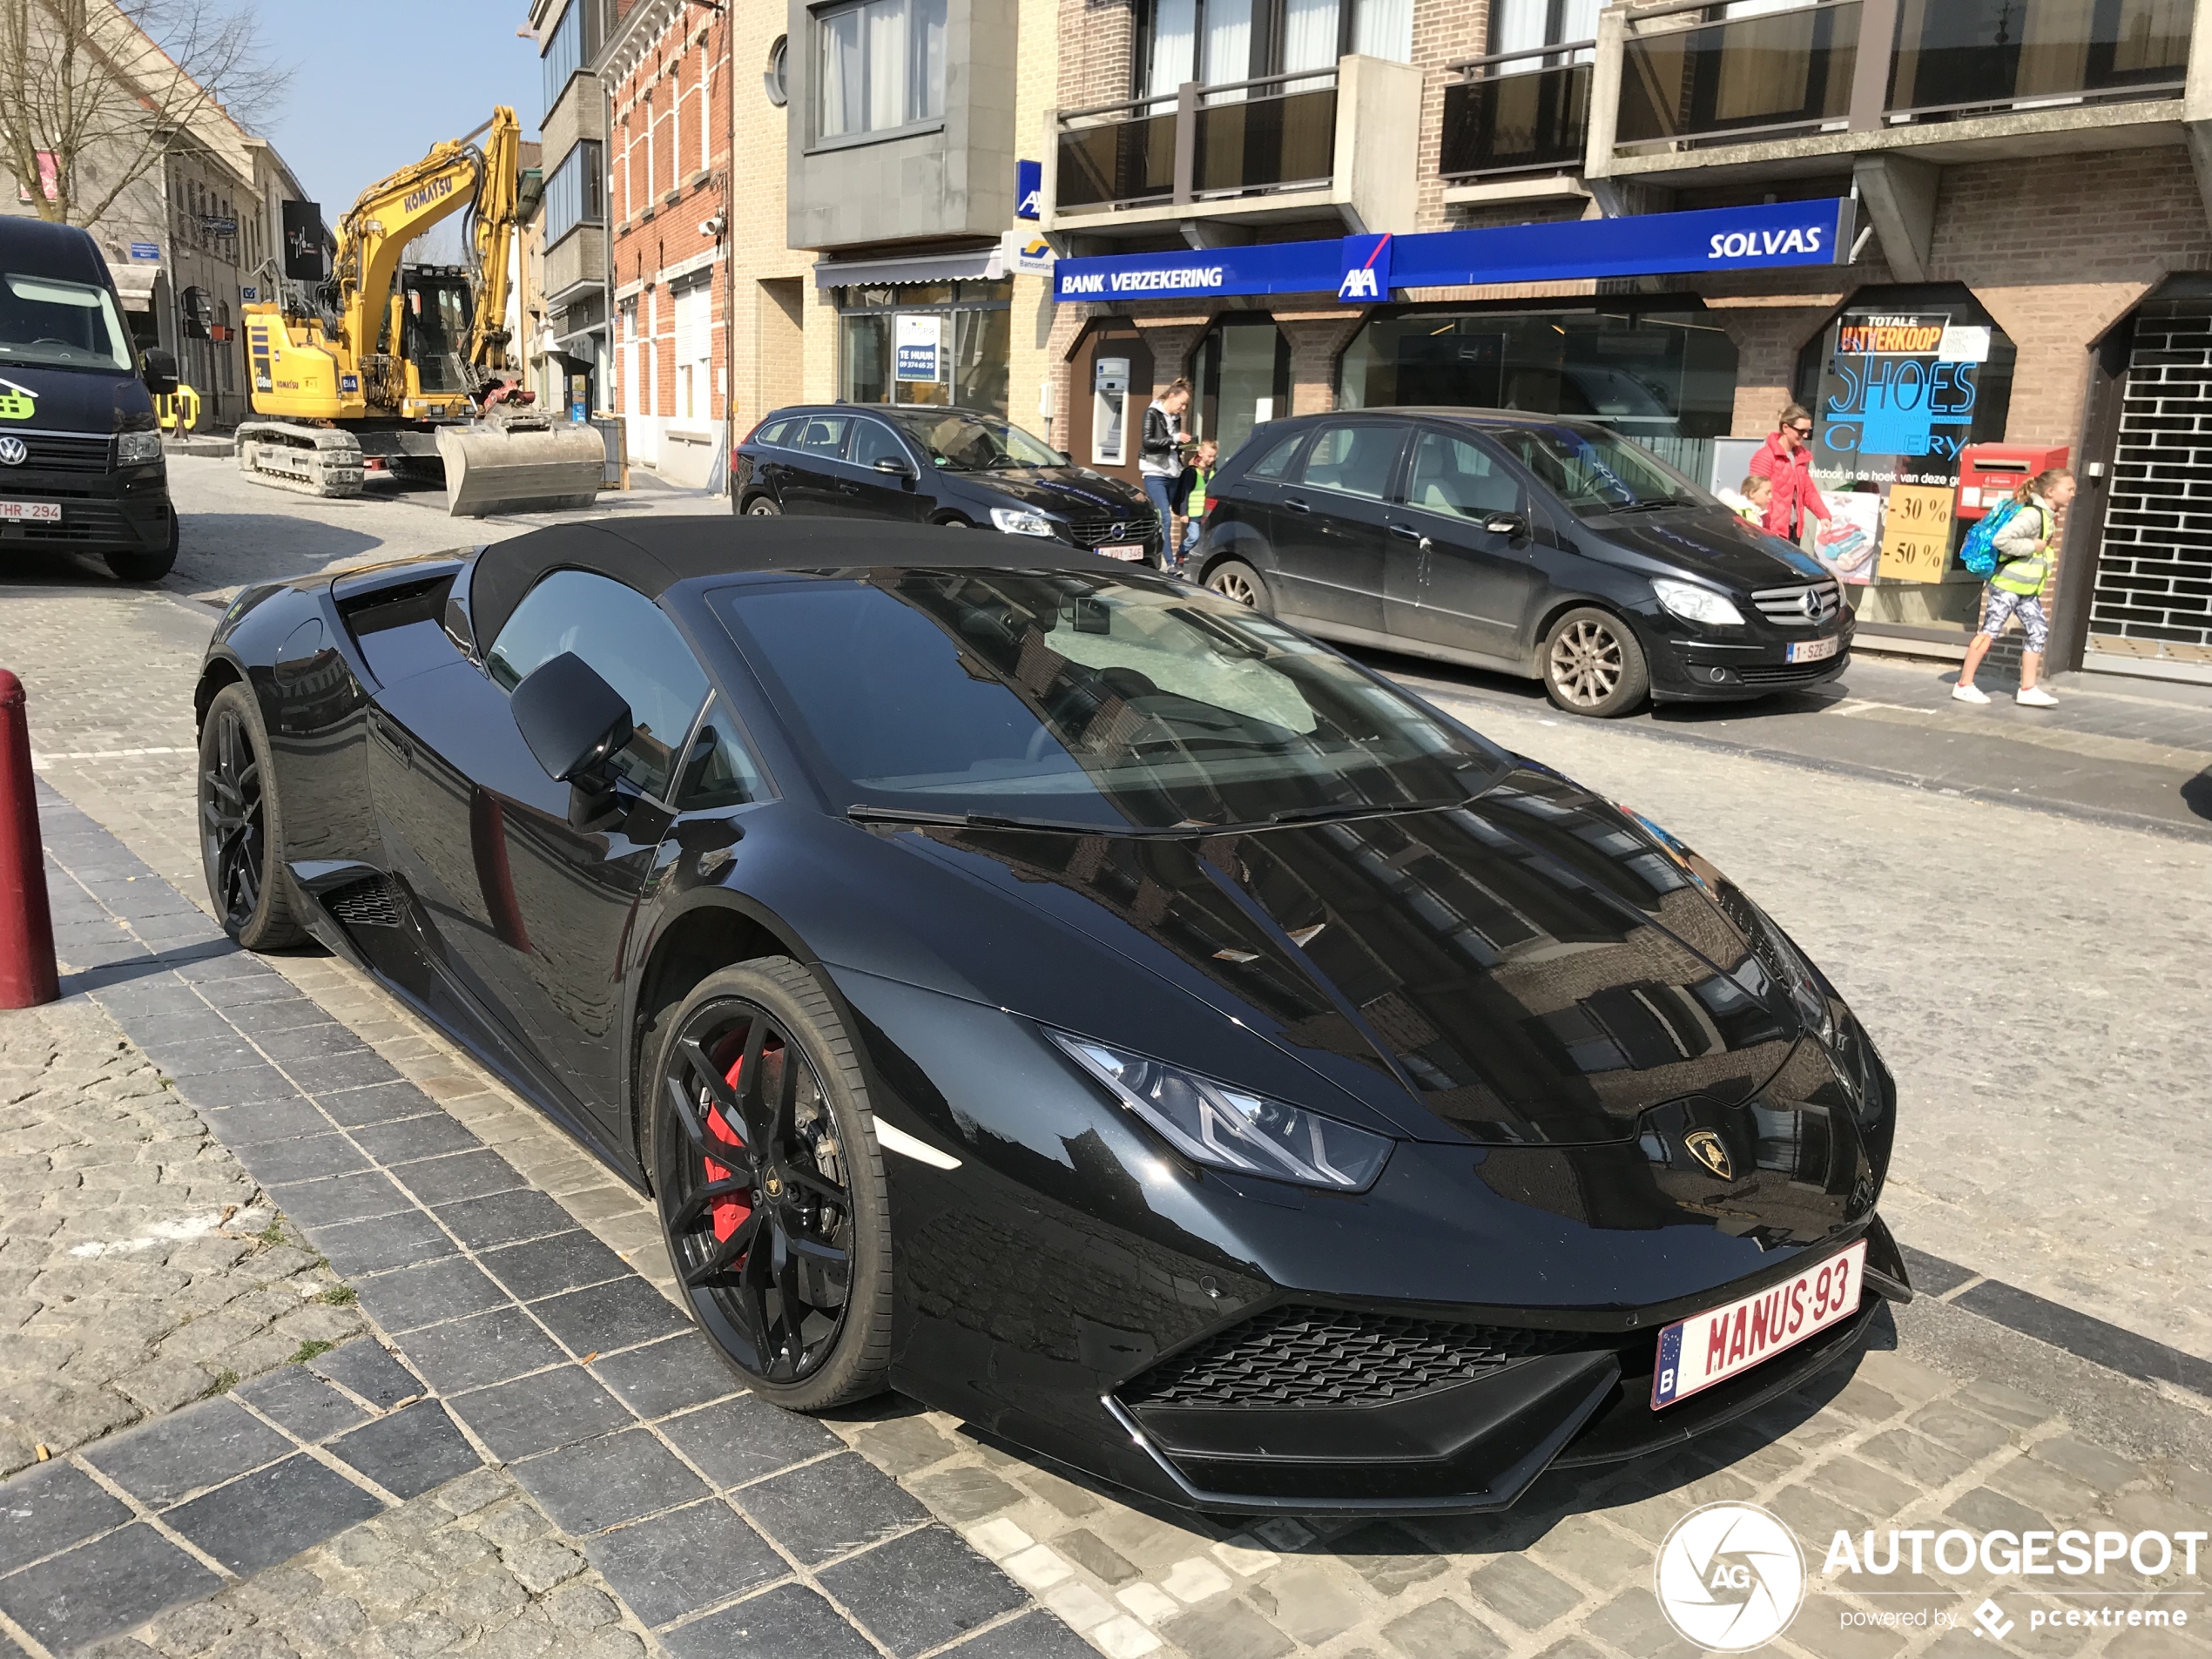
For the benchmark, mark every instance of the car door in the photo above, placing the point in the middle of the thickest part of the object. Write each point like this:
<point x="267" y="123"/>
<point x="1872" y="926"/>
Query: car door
<point x="817" y="445"/>
<point x="1461" y="570"/>
<point x="1331" y="525"/>
<point x="864" y="489"/>
<point x="534" y="910"/>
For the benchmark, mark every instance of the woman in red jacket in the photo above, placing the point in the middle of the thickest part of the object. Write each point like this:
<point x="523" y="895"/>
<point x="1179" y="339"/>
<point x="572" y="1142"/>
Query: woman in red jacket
<point x="1786" y="458"/>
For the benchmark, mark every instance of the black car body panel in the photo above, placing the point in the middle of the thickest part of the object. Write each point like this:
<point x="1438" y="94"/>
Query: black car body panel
<point x="836" y="474"/>
<point x="69" y="418"/>
<point x="1383" y="571"/>
<point x="1536" y="996"/>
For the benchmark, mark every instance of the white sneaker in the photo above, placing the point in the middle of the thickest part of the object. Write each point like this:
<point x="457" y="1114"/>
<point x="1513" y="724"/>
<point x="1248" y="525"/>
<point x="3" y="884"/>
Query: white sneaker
<point x="1965" y="693"/>
<point x="2035" y="698"/>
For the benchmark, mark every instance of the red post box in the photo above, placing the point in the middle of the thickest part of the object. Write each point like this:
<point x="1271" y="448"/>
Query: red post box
<point x="1989" y="472"/>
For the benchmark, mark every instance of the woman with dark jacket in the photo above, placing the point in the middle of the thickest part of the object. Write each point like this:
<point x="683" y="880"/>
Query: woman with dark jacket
<point x="1159" y="460"/>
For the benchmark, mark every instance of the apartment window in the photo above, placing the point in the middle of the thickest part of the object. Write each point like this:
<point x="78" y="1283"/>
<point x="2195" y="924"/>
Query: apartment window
<point x="574" y="195"/>
<point x="1523" y="25"/>
<point x="1220" y="42"/>
<point x="566" y="51"/>
<point x="880" y="67"/>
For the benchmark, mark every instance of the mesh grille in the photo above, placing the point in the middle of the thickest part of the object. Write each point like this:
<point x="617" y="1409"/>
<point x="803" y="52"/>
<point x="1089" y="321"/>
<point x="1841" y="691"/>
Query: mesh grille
<point x="372" y="903"/>
<point x="1091" y="529"/>
<point x="1785" y="673"/>
<point x="1303" y="1356"/>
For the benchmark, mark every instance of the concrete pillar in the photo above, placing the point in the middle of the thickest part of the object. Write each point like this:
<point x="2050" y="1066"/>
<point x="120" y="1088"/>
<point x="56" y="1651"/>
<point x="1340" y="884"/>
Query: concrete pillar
<point x="1316" y="339"/>
<point x="1899" y="194"/>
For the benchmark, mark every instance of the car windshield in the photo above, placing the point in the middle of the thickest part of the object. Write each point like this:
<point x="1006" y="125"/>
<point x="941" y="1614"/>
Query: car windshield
<point x="1089" y="701"/>
<point x="1596" y="472"/>
<point x="61" y="325"/>
<point x="960" y="442"/>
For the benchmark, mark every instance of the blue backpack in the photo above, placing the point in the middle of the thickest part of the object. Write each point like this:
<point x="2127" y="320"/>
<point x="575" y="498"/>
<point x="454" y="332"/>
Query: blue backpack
<point x="1979" y="554"/>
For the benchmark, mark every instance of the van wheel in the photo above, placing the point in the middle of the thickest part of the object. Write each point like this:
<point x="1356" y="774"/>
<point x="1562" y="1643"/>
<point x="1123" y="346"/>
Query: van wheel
<point x="1234" y="579"/>
<point x="1593" y="664"/>
<point x="145" y="567"/>
<point x="762" y="507"/>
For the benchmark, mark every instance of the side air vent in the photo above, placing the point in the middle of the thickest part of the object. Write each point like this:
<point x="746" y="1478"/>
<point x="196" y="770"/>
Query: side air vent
<point x="373" y="903"/>
<point x="1307" y="1356"/>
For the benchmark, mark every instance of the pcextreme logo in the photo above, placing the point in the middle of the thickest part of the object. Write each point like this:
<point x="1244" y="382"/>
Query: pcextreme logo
<point x="16" y="402"/>
<point x="1730" y="1577"/>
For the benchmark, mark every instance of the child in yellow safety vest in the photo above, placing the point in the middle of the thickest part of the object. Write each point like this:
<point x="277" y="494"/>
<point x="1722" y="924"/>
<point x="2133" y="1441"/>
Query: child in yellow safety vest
<point x="2023" y="546"/>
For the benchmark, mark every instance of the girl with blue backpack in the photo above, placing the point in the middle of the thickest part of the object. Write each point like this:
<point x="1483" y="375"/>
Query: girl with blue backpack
<point x="2017" y="553"/>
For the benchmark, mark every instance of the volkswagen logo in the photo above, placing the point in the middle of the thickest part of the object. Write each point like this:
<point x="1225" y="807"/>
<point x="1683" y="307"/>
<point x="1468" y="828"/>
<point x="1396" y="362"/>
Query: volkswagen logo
<point x="13" y="450"/>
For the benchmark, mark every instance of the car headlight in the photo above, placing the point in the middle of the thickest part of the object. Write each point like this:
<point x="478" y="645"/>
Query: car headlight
<point x="1020" y="521"/>
<point x="1232" y="1129"/>
<point x="1694" y="604"/>
<point x="135" y="448"/>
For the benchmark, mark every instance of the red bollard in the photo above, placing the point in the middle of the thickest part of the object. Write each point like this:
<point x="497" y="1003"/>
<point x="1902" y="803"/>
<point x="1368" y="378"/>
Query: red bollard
<point x="27" y="976"/>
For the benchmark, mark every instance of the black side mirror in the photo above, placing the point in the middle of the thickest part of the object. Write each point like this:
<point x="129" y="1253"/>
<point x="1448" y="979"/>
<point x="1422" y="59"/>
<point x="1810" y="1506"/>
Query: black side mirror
<point x="894" y="465"/>
<point x="573" y="720"/>
<point x="160" y="371"/>
<point x="1509" y="524"/>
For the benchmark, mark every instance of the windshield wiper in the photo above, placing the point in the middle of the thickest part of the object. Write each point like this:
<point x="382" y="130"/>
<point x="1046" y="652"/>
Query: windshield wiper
<point x="1348" y="809"/>
<point x="862" y="813"/>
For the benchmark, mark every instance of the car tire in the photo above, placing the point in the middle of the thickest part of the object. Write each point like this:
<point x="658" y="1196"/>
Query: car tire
<point x="762" y="507"/>
<point x="821" y="1141"/>
<point x="241" y="826"/>
<point x="1593" y="665"/>
<point x="136" y="566"/>
<point x="1234" y="579"/>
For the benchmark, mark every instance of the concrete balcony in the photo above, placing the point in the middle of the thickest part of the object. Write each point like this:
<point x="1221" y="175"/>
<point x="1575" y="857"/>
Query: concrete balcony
<point x="1516" y="125"/>
<point x="578" y="261"/>
<point x="580" y="112"/>
<point x="1221" y="162"/>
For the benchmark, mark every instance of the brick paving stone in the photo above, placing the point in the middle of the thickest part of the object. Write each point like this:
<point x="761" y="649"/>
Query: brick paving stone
<point x="2088" y="1463"/>
<point x="1443" y="1629"/>
<point x="1863" y="1487"/>
<point x="50" y="1507"/>
<point x="736" y="1441"/>
<point x="921" y="1591"/>
<point x="1033" y="1635"/>
<point x="103" y="1588"/>
<point x="412" y="1297"/>
<point x="1633" y="1622"/>
<point x="670" y="1565"/>
<point x="1515" y="1587"/>
<point x="566" y="1261"/>
<point x="605" y="1317"/>
<point x="905" y="1444"/>
<point x="1967" y="1431"/>
<point x="1091" y="1553"/>
<point x="270" y="1515"/>
<point x="211" y="1443"/>
<point x="600" y="1483"/>
<point x="1311" y="1601"/>
<point x="367" y="1369"/>
<point x="1388" y="1557"/>
<point x="408" y="1453"/>
<point x="301" y="1403"/>
<point x="828" y="1508"/>
<point x="668" y="1377"/>
<point x="788" y="1619"/>
<point x="537" y="1413"/>
<point x="965" y="1494"/>
<point x="1917" y="1460"/>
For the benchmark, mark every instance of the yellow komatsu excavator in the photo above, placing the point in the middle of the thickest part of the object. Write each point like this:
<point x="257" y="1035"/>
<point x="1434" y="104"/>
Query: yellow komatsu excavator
<point x="389" y="361"/>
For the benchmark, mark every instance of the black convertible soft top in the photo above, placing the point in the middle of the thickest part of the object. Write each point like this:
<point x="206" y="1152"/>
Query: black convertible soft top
<point x="653" y="555"/>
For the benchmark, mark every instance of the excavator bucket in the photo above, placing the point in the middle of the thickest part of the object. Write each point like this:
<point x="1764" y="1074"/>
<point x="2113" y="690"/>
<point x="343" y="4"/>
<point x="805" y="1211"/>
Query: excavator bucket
<point x="495" y="469"/>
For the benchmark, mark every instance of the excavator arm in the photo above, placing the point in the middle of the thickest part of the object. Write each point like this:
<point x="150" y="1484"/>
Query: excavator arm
<point x="492" y="236"/>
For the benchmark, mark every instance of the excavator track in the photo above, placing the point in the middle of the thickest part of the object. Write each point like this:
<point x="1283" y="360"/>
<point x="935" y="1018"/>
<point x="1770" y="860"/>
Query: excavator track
<point x="312" y="459"/>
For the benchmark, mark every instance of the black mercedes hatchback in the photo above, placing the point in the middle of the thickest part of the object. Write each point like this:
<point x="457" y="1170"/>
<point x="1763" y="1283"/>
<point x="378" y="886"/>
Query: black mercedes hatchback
<point x="1551" y="549"/>
<point x="966" y="468"/>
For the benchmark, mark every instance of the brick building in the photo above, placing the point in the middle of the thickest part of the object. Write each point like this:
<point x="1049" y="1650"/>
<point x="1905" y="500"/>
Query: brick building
<point x="2028" y="187"/>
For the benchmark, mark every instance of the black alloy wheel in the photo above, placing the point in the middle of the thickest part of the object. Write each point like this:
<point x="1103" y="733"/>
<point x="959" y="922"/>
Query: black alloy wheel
<point x="241" y="834"/>
<point x="770" y="1187"/>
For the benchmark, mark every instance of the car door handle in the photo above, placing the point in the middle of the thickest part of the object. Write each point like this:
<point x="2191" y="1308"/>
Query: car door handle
<point x="1296" y="506"/>
<point x="395" y="739"/>
<point x="1408" y="532"/>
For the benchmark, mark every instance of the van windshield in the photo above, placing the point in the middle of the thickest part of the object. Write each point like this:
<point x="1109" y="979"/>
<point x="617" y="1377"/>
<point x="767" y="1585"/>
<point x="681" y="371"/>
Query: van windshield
<point x="61" y="325"/>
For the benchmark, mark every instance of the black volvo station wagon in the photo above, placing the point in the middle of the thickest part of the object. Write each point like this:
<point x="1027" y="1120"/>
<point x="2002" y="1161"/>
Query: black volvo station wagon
<point x="1551" y="549"/>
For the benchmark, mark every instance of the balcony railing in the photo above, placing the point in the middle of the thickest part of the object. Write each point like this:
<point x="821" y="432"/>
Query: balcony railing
<point x="2057" y="52"/>
<point x="1518" y="111"/>
<point x="1278" y="132"/>
<point x="1689" y="73"/>
<point x="1781" y="71"/>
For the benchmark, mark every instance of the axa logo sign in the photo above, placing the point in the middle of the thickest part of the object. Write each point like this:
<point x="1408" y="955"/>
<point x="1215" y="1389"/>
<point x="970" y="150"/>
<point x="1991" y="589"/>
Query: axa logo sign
<point x="1367" y="270"/>
<point x="1028" y="188"/>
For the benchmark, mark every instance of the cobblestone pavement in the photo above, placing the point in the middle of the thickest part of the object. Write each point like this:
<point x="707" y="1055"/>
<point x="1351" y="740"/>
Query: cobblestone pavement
<point x="2051" y="1039"/>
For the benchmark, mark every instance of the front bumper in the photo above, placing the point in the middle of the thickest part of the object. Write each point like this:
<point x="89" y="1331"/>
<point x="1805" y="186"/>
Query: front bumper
<point x="1690" y="665"/>
<point x="1471" y="1445"/>
<point x="121" y="511"/>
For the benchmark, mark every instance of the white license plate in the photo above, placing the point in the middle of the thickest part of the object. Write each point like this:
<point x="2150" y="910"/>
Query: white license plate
<point x="1814" y="650"/>
<point x="1710" y="1347"/>
<point x="1122" y="550"/>
<point x="35" y="512"/>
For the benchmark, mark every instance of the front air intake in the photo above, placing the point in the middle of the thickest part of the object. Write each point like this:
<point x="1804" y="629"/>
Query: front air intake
<point x="372" y="903"/>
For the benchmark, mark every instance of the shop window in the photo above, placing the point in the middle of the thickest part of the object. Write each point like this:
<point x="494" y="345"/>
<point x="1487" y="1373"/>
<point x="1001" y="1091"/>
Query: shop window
<point x="954" y="338"/>
<point x="879" y="66"/>
<point x="1242" y="375"/>
<point x="1899" y="384"/>
<point x="1665" y="379"/>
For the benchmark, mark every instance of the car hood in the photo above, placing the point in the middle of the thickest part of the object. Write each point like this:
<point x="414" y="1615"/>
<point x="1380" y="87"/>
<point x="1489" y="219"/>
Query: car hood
<point x="1710" y="542"/>
<point x="1060" y="489"/>
<point x="1530" y="969"/>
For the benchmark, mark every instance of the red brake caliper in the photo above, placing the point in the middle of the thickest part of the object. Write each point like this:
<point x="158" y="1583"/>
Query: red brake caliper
<point x="728" y="1213"/>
